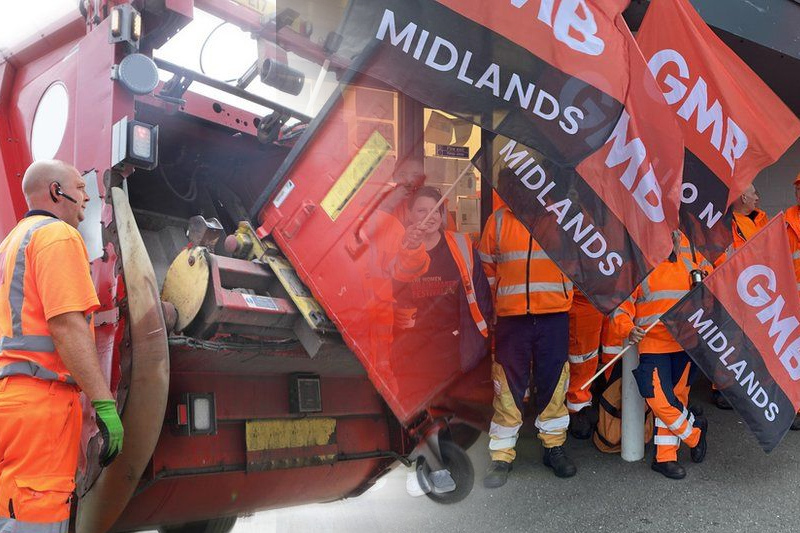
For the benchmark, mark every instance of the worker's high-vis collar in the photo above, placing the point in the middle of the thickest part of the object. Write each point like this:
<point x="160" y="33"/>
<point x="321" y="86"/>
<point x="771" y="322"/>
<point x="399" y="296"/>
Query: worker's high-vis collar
<point x="39" y="212"/>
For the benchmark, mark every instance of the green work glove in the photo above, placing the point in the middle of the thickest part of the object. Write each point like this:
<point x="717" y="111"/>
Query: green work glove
<point x="111" y="428"/>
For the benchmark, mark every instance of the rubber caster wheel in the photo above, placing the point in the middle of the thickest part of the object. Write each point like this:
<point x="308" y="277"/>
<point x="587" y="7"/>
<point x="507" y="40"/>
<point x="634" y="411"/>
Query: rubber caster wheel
<point x="458" y="463"/>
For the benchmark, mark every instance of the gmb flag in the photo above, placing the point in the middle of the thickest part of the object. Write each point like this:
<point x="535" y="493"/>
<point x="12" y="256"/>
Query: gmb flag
<point x="742" y="328"/>
<point x="733" y="124"/>
<point x="591" y="145"/>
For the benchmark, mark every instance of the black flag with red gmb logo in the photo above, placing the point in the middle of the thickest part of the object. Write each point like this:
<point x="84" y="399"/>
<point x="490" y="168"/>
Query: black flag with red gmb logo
<point x="595" y="152"/>
<point x="742" y="328"/>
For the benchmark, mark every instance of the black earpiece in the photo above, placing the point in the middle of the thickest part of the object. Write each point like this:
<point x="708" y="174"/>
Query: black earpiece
<point x="59" y="192"/>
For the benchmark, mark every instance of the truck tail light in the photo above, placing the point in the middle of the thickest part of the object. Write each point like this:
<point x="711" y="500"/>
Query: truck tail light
<point x="197" y="414"/>
<point x="134" y="143"/>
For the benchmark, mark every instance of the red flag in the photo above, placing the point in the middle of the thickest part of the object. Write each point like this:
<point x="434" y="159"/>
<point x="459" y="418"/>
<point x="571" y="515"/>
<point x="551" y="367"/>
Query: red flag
<point x="742" y="327"/>
<point x="731" y="119"/>
<point x="637" y="170"/>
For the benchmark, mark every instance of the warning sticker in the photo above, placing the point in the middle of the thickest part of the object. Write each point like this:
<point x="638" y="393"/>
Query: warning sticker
<point x="283" y="194"/>
<point x="261" y="302"/>
<point x="355" y="175"/>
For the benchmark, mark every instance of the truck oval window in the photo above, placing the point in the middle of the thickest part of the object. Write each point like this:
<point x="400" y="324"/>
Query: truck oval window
<point x="50" y="122"/>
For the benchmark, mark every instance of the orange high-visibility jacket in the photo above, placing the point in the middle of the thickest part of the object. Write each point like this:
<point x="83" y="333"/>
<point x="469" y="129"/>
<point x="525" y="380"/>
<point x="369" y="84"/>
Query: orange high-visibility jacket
<point x="793" y="229"/>
<point x="523" y="278"/>
<point x="662" y="289"/>
<point x="461" y="249"/>
<point x="744" y="227"/>
<point x="44" y="272"/>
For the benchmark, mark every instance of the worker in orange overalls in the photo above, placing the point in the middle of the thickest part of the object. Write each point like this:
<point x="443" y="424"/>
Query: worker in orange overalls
<point x="585" y="325"/>
<point x="47" y="354"/>
<point x="665" y="372"/>
<point x="747" y="220"/>
<point x="793" y="229"/>
<point x="532" y="300"/>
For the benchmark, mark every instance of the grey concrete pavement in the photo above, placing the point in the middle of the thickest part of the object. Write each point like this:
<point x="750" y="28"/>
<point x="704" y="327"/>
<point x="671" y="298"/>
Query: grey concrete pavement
<point x="737" y="488"/>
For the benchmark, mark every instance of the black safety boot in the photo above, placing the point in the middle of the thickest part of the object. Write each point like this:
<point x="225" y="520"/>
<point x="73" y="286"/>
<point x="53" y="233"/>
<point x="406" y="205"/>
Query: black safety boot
<point x="720" y="401"/>
<point x="557" y="459"/>
<point x="698" y="453"/>
<point x="580" y="424"/>
<point x="497" y="475"/>
<point x="796" y="424"/>
<point x="670" y="469"/>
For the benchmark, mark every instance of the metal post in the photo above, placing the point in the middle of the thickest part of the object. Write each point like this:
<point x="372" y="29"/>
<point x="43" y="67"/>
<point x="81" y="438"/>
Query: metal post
<point x="632" y="432"/>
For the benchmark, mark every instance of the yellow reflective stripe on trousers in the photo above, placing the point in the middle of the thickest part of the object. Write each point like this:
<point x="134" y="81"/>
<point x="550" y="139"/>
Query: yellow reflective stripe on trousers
<point x="10" y="525"/>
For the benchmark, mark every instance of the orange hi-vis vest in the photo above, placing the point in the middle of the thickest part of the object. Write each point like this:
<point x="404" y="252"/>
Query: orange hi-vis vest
<point x="524" y="279"/>
<point x="659" y="291"/>
<point x="461" y="250"/>
<point x="745" y="226"/>
<point x="44" y="272"/>
<point x="793" y="229"/>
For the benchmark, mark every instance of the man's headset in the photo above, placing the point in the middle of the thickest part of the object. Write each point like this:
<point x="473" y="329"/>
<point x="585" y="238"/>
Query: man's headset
<point x="59" y="192"/>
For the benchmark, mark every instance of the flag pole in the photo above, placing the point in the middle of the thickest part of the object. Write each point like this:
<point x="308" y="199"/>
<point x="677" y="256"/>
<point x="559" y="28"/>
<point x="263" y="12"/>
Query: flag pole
<point x="444" y="195"/>
<point x="616" y="357"/>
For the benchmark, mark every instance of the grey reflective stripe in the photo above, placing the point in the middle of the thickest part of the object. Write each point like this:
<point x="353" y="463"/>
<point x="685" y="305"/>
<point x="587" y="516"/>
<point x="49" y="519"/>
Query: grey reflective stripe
<point x="16" y="292"/>
<point x="498" y="224"/>
<point x="512" y="256"/>
<point x="582" y="358"/>
<point x="9" y="525"/>
<point x="796" y="254"/>
<point x="647" y="320"/>
<point x="28" y="343"/>
<point x="666" y="440"/>
<point x="687" y="263"/>
<point x="486" y="258"/>
<point x="568" y="285"/>
<point x="466" y="251"/>
<point x="31" y="369"/>
<point x="664" y="295"/>
<point x="509" y="290"/>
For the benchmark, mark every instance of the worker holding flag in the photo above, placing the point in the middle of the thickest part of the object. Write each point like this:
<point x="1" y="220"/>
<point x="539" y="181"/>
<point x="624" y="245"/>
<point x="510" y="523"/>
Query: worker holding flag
<point x="665" y="372"/>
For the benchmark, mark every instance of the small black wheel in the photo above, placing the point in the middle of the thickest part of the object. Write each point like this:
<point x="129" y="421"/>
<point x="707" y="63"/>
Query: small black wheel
<point x="458" y="463"/>
<point x="216" y="525"/>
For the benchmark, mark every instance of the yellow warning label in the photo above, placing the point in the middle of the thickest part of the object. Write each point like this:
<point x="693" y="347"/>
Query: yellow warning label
<point x="279" y="434"/>
<point x="355" y="175"/>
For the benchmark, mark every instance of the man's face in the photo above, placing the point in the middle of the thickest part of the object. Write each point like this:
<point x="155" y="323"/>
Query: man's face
<point x="749" y="200"/>
<point x="75" y="186"/>
<point x="797" y="192"/>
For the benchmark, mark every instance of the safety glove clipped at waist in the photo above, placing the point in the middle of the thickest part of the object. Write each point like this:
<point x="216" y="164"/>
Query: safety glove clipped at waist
<point x="110" y="426"/>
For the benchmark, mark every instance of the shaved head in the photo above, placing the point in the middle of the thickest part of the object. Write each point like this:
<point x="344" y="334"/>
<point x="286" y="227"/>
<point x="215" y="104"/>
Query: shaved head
<point x="41" y="184"/>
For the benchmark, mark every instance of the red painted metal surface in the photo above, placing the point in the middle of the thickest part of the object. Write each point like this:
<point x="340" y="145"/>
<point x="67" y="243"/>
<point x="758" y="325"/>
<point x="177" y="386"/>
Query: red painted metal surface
<point x="358" y="292"/>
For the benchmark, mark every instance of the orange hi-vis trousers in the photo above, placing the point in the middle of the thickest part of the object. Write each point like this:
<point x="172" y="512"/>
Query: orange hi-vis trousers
<point x="40" y="427"/>
<point x="585" y="325"/>
<point x="664" y="381"/>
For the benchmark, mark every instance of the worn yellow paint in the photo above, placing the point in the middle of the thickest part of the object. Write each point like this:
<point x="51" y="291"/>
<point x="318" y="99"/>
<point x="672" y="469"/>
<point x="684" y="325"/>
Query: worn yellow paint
<point x="186" y="284"/>
<point x="279" y="434"/>
<point x="355" y="175"/>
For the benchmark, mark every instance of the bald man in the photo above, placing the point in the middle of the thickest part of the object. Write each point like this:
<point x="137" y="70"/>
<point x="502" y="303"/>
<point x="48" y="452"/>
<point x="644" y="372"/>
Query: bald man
<point x="748" y="219"/>
<point x="48" y="354"/>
